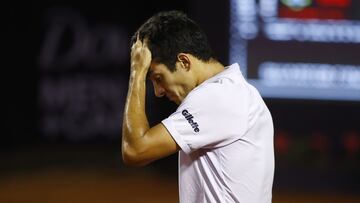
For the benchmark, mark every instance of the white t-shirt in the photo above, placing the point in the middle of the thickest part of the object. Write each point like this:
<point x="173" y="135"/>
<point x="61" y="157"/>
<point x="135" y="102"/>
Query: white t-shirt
<point x="225" y="132"/>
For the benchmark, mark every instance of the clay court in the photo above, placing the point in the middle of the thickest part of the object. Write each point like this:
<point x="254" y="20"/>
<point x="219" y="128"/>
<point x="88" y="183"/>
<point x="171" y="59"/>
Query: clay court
<point x="60" y="186"/>
<point x="95" y="174"/>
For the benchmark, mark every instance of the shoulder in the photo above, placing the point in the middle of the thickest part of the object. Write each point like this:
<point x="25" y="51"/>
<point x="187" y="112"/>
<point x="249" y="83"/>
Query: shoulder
<point x="205" y="95"/>
<point x="226" y="85"/>
<point x="218" y="97"/>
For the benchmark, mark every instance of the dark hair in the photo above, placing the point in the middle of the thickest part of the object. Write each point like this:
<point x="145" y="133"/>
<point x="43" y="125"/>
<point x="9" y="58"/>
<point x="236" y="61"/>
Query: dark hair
<point x="170" y="33"/>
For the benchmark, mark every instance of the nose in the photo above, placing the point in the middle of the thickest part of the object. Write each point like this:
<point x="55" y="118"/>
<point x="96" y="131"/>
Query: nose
<point x="159" y="91"/>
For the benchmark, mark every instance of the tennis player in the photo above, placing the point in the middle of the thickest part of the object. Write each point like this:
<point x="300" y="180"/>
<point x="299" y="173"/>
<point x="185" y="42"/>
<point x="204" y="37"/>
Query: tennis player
<point x="222" y="129"/>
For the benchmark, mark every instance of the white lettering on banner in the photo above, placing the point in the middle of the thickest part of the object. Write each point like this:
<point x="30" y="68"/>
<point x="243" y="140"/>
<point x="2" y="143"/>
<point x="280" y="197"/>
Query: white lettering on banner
<point x="310" y="74"/>
<point x="92" y="46"/>
<point x="81" y="107"/>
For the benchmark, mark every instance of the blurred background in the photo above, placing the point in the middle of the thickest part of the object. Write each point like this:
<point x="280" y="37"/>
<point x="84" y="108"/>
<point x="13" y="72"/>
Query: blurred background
<point x="65" y="78"/>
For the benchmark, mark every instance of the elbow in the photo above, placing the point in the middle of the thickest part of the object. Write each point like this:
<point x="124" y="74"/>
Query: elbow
<point x="133" y="159"/>
<point x="132" y="162"/>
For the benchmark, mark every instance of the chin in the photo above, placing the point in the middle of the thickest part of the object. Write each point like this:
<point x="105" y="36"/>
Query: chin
<point x="176" y="101"/>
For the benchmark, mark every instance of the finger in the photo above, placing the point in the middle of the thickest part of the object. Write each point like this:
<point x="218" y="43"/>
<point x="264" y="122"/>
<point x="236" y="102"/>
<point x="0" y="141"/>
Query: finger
<point x="137" y="43"/>
<point x="145" y="42"/>
<point x="138" y="40"/>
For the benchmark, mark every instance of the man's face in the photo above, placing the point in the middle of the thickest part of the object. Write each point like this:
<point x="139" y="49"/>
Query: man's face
<point x="174" y="85"/>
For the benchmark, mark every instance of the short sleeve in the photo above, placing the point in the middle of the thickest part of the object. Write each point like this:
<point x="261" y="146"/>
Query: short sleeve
<point x="211" y="116"/>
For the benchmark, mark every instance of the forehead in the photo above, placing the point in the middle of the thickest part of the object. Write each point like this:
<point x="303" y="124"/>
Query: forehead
<point x="158" y="68"/>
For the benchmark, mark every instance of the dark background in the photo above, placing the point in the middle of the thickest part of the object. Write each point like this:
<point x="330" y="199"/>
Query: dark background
<point x="317" y="142"/>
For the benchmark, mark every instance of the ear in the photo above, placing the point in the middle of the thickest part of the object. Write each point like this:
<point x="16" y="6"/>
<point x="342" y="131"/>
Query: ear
<point x="184" y="60"/>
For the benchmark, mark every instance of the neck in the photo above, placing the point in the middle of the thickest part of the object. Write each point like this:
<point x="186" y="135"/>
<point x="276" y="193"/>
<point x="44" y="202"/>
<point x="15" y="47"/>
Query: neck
<point x="208" y="70"/>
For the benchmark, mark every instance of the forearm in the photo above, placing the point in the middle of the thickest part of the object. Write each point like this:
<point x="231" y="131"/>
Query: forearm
<point x="135" y="123"/>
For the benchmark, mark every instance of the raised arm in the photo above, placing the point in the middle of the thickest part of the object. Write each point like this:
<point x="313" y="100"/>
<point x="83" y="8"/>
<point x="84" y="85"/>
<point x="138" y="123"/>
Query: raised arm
<point x="140" y="143"/>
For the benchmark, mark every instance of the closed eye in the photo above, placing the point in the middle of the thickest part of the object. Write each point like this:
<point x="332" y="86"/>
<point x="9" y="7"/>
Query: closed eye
<point x="158" y="78"/>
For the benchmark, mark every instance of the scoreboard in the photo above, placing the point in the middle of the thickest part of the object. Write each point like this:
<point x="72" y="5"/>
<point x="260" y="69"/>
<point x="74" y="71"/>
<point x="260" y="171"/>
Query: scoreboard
<point x="298" y="49"/>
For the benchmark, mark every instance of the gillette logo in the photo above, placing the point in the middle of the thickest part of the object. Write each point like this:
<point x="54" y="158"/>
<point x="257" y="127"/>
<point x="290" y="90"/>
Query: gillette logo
<point x="189" y="118"/>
